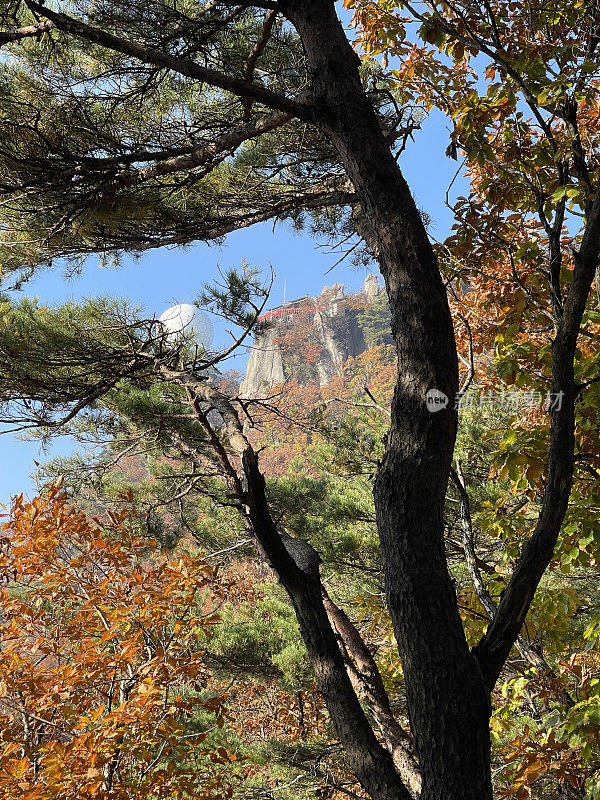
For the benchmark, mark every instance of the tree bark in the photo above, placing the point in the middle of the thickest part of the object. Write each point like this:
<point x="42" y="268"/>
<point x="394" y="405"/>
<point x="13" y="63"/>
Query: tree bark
<point x="447" y="699"/>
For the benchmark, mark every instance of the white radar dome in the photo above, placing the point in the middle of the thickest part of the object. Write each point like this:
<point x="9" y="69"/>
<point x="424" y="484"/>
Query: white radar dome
<point x="189" y="321"/>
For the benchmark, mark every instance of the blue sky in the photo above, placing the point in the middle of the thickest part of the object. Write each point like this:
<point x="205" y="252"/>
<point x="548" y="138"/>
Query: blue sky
<point x="166" y="276"/>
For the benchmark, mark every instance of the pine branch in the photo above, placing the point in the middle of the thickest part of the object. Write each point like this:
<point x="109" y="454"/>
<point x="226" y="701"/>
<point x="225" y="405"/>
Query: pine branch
<point x="27" y="32"/>
<point x="182" y="66"/>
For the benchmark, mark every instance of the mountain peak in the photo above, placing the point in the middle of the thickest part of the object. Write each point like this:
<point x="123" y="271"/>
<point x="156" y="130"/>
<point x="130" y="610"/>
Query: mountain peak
<point x="312" y="337"/>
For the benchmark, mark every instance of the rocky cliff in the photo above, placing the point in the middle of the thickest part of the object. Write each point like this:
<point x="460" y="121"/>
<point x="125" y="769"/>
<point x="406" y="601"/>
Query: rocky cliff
<point x="311" y="338"/>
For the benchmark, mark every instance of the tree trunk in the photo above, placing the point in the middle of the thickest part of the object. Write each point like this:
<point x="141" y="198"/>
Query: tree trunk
<point x="447" y="700"/>
<point x="296" y="564"/>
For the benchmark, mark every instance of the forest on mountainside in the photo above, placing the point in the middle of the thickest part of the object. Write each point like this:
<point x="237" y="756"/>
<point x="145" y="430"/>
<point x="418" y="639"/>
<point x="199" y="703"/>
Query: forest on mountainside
<point x="255" y="709"/>
<point x="377" y="579"/>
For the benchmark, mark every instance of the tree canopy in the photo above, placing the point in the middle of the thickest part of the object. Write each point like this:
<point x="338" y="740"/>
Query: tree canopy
<point x="128" y="126"/>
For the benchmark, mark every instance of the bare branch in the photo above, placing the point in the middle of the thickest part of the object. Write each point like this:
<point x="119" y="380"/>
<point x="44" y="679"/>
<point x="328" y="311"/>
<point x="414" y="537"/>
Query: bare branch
<point x="255" y="54"/>
<point x="368" y="684"/>
<point x="525" y="648"/>
<point x="26" y="32"/>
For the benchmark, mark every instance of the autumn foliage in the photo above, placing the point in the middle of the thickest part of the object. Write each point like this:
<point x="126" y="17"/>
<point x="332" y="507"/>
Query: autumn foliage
<point x="101" y="673"/>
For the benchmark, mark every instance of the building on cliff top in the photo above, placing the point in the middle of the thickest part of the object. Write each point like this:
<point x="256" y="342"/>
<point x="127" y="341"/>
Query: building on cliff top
<point x="309" y="338"/>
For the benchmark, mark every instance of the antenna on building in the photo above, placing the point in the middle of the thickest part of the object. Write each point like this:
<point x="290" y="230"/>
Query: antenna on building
<point x="284" y="288"/>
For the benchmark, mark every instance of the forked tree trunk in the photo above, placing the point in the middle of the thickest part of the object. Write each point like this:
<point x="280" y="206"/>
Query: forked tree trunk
<point x="447" y="700"/>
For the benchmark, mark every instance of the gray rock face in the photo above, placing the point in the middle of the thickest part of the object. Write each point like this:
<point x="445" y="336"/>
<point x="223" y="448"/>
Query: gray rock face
<point x="265" y="365"/>
<point x="334" y="325"/>
<point x="372" y="288"/>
